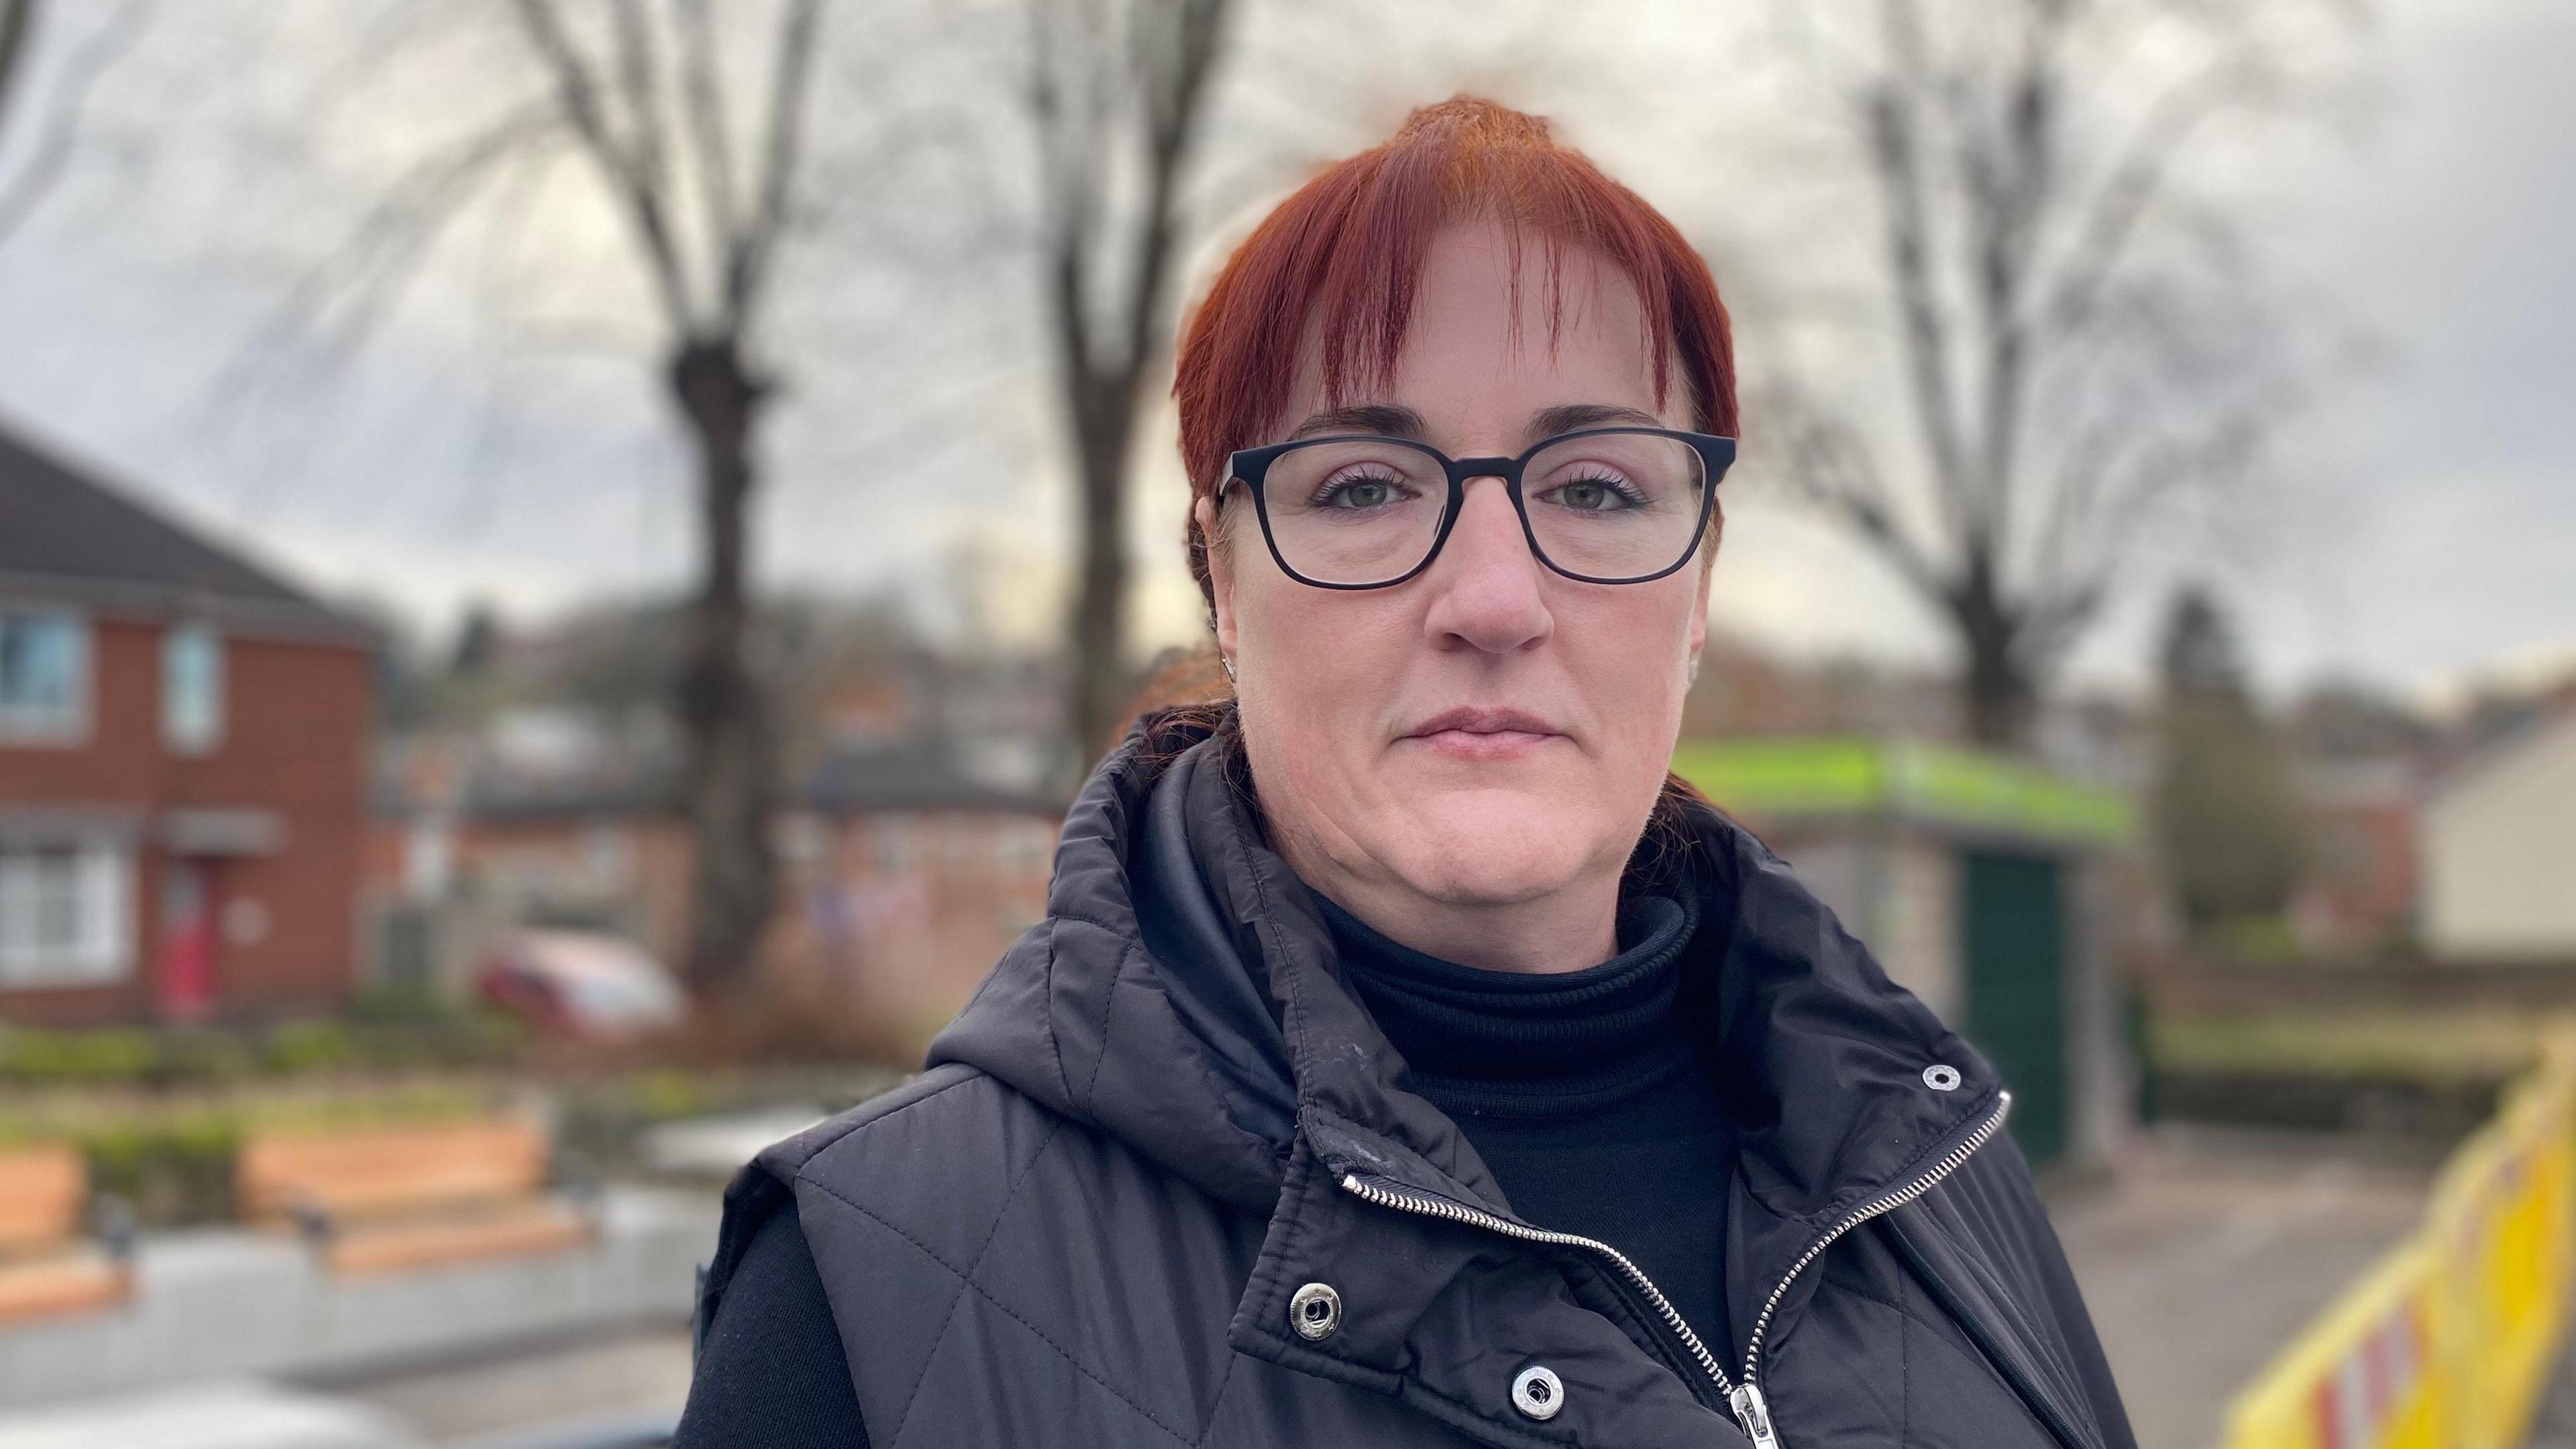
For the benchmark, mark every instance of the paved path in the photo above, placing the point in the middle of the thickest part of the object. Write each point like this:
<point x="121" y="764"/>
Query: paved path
<point x="2209" y="1250"/>
<point x="635" y="1376"/>
<point x="2555" y="1425"/>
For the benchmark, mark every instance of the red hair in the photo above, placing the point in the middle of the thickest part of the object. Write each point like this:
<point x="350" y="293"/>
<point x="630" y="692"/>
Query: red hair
<point x="1347" y="250"/>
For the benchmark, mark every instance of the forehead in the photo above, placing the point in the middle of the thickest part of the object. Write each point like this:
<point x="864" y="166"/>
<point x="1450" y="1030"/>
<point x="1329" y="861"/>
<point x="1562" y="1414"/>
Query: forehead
<point x="1500" y="328"/>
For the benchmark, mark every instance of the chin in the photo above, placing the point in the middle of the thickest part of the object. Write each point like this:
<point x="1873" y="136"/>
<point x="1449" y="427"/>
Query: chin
<point x="1496" y="847"/>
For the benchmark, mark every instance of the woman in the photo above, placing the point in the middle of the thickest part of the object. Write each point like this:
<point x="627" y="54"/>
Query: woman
<point x="1406" y="1058"/>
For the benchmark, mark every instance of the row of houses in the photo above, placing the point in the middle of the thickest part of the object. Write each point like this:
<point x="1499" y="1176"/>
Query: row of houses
<point x="198" y="816"/>
<point x="183" y="745"/>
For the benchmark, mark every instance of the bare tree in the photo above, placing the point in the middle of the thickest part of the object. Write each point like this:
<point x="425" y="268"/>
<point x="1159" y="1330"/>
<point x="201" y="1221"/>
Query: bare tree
<point x="2065" y="312"/>
<point x="1116" y="93"/>
<point x="642" y="143"/>
<point x="56" y="131"/>
<point x="704" y="184"/>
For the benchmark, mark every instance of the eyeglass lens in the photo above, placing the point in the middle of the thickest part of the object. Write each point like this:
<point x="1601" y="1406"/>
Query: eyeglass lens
<point x="1609" y="506"/>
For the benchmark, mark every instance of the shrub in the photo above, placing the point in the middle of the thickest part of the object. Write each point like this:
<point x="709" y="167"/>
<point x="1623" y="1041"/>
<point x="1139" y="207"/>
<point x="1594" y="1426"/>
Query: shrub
<point x="308" y="1046"/>
<point x="68" y="1058"/>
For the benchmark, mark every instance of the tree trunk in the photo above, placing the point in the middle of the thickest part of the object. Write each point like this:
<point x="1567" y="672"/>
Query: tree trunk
<point x="1105" y="409"/>
<point x="729" y="784"/>
<point x="1996" y="688"/>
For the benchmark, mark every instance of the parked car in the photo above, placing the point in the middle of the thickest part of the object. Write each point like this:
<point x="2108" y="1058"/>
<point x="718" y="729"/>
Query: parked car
<point x="580" y="983"/>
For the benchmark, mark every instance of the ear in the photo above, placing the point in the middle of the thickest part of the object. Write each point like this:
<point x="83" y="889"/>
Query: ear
<point x="1220" y="561"/>
<point x="1698" y="631"/>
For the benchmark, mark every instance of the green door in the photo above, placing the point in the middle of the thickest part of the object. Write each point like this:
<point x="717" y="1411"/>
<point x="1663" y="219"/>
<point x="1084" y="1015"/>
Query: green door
<point x="2013" y="942"/>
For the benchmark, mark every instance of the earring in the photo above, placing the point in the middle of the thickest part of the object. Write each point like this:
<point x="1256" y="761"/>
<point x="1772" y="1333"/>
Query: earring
<point x="1694" y="671"/>
<point x="1227" y="660"/>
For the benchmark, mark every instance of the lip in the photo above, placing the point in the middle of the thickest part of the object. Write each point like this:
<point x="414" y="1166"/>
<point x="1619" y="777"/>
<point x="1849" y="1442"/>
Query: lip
<point x="1468" y="733"/>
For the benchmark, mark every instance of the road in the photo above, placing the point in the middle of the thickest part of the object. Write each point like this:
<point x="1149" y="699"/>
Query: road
<point x="631" y="1377"/>
<point x="2209" y="1250"/>
<point x="2555" y="1425"/>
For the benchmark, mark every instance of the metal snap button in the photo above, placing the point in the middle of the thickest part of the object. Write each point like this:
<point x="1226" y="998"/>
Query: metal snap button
<point x="1315" y="1311"/>
<point x="1941" y="1078"/>
<point x="1537" y="1392"/>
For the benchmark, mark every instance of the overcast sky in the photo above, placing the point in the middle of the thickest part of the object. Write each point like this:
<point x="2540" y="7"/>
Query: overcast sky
<point x="2428" y="534"/>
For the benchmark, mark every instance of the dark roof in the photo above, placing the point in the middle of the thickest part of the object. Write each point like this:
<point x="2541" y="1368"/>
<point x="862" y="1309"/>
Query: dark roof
<point x="64" y="534"/>
<point x="919" y="775"/>
<point x="906" y="777"/>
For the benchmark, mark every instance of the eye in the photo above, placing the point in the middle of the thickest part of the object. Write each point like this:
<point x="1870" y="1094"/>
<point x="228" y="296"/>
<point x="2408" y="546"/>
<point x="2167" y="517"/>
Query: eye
<point x="1360" y="491"/>
<point x="1599" y="493"/>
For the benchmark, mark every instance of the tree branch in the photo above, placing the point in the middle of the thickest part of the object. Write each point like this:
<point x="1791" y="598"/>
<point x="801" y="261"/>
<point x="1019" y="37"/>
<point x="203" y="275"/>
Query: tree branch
<point x="2111" y="527"/>
<point x="2010" y="177"/>
<point x="376" y="258"/>
<point x="1176" y="106"/>
<point x="17" y="22"/>
<point x="790" y="73"/>
<point x="639" y="78"/>
<point x="1891" y="125"/>
<point x="710" y="123"/>
<point x="60" y="131"/>
<point x="1832" y="465"/>
<point x="1068" y="168"/>
<point x="2135" y="181"/>
<point x="577" y="93"/>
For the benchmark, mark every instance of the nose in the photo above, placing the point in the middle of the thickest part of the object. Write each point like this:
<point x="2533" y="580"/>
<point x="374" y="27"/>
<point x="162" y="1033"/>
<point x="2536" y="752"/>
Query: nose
<point x="1486" y="582"/>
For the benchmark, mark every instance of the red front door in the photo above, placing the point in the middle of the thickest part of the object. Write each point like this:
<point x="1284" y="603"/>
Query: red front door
<point x="187" y="940"/>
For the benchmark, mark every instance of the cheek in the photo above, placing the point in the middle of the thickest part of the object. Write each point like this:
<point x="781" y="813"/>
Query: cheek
<point x="1630" y="647"/>
<point x="1315" y="669"/>
<point x="1630" y="657"/>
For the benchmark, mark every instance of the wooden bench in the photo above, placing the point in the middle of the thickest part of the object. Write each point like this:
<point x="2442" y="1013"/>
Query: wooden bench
<point x="50" y="1263"/>
<point x="384" y="1199"/>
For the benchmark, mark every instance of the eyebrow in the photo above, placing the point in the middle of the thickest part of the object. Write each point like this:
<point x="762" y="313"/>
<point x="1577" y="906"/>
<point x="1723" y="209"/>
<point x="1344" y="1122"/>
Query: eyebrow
<point x="1394" y="420"/>
<point x="1388" y="419"/>
<point x="1567" y="417"/>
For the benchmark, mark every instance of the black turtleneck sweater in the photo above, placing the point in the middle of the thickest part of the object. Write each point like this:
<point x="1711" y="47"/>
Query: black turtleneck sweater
<point x="1581" y="1090"/>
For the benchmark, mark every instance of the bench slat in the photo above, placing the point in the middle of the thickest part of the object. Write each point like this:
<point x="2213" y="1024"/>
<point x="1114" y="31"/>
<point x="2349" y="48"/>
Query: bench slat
<point x="396" y="1198"/>
<point x="387" y="1171"/>
<point x="70" y="1283"/>
<point x="539" y="1227"/>
<point x="43" y="1190"/>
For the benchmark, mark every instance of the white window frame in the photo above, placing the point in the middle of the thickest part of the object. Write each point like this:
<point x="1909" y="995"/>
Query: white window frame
<point x="68" y="723"/>
<point x="199" y="729"/>
<point x="101" y="878"/>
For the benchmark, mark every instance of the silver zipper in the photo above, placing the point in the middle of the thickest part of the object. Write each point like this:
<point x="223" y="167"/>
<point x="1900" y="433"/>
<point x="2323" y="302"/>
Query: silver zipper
<point x="1442" y="1208"/>
<point x="1752" y="1413"/>
<point x="1955" y="1159"/>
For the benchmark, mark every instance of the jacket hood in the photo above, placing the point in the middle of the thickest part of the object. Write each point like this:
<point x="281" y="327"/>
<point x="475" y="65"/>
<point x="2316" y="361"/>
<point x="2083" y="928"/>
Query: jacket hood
<point x="1183" y="996"/>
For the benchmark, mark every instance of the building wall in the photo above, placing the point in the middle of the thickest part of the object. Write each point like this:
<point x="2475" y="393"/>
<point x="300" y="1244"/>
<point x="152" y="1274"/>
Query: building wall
<point x="891" y="918"/>
<point x="1897" y="891"/>
<point x="885" y="921"/>
<point x="2359" y="890"/>
<point x="2499" y="853"/>
<point x="296" y="721"/>
<point x="2102" y="1066"/>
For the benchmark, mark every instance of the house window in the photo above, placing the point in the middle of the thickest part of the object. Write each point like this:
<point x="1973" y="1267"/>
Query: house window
<point x="192" y="689"/>
<point x="65" y="914"/>
<point x="44" y="676"/>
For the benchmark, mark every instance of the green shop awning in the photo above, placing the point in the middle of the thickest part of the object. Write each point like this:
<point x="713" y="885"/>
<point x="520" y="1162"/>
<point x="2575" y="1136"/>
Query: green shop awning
<point x="1935" y="785"/>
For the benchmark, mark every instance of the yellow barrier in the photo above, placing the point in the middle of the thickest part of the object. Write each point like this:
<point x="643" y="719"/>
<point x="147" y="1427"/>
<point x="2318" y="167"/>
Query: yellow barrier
<point x="2449" y="1341"/>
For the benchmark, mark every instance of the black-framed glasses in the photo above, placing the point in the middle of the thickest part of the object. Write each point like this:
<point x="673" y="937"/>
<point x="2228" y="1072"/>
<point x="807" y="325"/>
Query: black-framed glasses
<point x="1601" y="506"/>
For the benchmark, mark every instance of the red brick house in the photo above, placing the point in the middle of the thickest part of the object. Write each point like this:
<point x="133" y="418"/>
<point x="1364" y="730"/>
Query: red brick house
<point x="902" y="877"/>
<point x="182" y="767"/>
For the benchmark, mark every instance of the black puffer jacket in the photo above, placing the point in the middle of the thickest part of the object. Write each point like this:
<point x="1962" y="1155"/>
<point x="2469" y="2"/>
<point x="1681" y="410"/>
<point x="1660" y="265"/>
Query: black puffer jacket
<point x="1161" y="1184"/>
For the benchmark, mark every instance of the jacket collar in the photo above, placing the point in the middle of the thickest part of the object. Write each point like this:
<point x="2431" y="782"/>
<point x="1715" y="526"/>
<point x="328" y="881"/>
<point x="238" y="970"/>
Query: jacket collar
<point x="1206" y="950"/>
